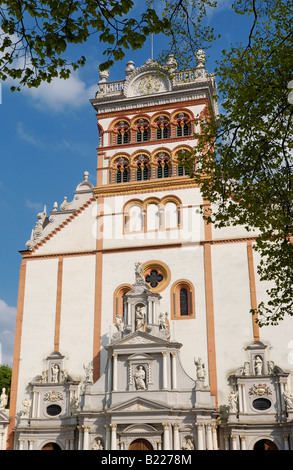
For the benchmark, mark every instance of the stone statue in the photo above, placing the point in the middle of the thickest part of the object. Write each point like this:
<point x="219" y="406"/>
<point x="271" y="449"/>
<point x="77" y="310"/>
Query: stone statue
<point x="246" y="368"/>
<point x="38" y="229"/>
<point x="74" y="404"/>
<point x="26" y="407"/>
<point x="258" y="365"/>
<point x="55" y="373"/>
<point x="88" y="374"/>
<point x="288" y="398"/>
<point x="233" y="402"/>
<point x="162" y="321"/>
<point x="97" y="445"/>
<point x="140" y="378"/>
<point x="200" y="369"/>
<point x="139" y="272"/>
<point x="271" y="367"/>
<point x="188" y="444"/>
<point x="139" y="317"/>
<point x="44" y="377"/>
<point x="3" y="399"/>
<point x="119" y="323"/>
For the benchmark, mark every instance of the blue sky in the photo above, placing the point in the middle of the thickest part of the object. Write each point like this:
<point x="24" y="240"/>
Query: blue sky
<point x="48" y="139"/>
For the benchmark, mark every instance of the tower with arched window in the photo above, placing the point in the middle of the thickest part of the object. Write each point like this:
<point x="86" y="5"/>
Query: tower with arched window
<point x="134" y="329"/>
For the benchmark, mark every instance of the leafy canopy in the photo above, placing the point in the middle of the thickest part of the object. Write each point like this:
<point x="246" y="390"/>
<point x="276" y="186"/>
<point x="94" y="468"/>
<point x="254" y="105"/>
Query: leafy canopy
<point x="35" y="34"/>
<point x="250" y="181"/>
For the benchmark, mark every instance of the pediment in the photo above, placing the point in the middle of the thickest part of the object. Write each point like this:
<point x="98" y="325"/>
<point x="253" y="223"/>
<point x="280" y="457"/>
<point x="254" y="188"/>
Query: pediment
<point x="141" y="338"/>
<point x="149" y="79"/>
<point x="139" y="404"/>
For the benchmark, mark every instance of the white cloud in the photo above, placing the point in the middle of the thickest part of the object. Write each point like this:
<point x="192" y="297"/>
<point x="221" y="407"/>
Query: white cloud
<point x="7" y="327"/>
<point x="61" y="94"/>
<point x="36" y="206"/>
<point x="26" y="136"/>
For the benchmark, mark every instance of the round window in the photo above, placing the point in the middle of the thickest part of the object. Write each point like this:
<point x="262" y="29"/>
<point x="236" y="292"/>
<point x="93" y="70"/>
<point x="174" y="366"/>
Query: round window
<point x="53" y="410"/>
<point x="261" y="404"/>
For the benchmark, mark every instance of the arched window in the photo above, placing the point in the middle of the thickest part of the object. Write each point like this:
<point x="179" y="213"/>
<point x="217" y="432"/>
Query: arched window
<point x="183" y="127"/>
<point x="143" y="170"/>
<point x="119" y="301"/>
<point x="182" y="300"/>
<point x="164" y="167"/>
<point x="122" y="133"/>
<point x="171" y="215"/>
<point x="153" y="217"/>
<point x="135" y="215"/>
<point x="162" y="124"/>
<point x="122" y="170"/>
<point x="143" y="130"/>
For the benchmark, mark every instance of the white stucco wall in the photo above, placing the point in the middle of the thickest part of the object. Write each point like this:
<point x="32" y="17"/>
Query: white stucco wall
<point x="38" y="325"/>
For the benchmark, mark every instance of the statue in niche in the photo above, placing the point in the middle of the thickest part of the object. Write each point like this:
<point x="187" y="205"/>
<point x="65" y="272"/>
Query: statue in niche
<point x="139" y="317"/>
<point x="258" y="365"/>
<point x="139" y="272"/>
<point x="88" y="374"/>
<point x="163" y="321"/>
<point x="119" y="323"/>
<point x="55" y="373"/>
<point x="3" y="399"/>
<point x="74" y="404"/>
<point x="200" y="369"/>
<point x="188" y="444"/>
<point x="233" y="401"/>
<point x="97" y="445"/>
<point x="288" y="398"/>
<point x="140" y="378"/>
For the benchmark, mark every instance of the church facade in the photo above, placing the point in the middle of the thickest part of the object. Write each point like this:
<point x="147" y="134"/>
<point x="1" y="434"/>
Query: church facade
<point x="133" y="328"/>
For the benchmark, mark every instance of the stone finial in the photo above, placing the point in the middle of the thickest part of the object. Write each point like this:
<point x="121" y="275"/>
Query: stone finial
<point x="64" y="205"/>
<point x="104" y="75"/>
<point x="130" y="66"/>
<point x="86" y="175"/>
<point x="171" y="63"/>
<point x="200" y="58"/>
<point x="55" y="207"/>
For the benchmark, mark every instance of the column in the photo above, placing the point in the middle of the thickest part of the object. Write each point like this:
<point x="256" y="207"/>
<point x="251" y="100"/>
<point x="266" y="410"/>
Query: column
<point x="286" y="442"/>
<point x="234" y="442"/>
<point x="114" y="389"/>
<point x="176" y="441"/>
<point x="20" y="444"/>
<point x="113" y="436"/>
<point x="31" y="444"/>
<point x="71" y="444"/>
<point x="209" y="437"/>
<point x="80" y="435"/>
<point x="226" y="442"/>
<point x="242" y="443"/>
<point x="240" y="397"/>
<point x="174" y="371"/>
<point x="165" y="377"/>
<point x="86" y="430"/>
<point x="2" y="440"/>
<point x="166" y="440"/>
<point x="200" y="443"/>
<point x="67" y="444"/>
<point x="159" y="445"/>
<point x="215" y="437"/>
<point x="108" y="437"/>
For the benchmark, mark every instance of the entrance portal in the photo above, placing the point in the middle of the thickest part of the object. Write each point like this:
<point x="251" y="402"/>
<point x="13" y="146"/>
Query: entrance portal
<point x="51" y="446"/>
<point x="140" y="444"/>
<point x="265" y="444"/>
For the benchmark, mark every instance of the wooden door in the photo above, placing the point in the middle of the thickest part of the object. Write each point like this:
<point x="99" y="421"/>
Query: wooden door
<point x="140" y="444"/>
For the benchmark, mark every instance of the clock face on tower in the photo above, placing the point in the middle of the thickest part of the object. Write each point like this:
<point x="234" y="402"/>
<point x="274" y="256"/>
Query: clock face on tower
<point x="148" y="85"/>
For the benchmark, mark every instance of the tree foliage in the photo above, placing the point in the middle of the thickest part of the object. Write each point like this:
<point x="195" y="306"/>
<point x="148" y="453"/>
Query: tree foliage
<point x="5" y="379"/>
<point x="35" y="34"/>
<point x="250" y="180"/>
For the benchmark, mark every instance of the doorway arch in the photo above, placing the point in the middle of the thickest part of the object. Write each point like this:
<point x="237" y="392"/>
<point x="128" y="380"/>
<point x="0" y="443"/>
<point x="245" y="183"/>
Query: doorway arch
<point x="140" y="444"/>
<point x="51" y="446"/>
<point x="265" y="444"/>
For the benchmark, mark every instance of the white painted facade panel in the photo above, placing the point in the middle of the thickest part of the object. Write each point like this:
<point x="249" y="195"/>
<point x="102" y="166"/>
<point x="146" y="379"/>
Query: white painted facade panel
<point x="77" y="311"/>
<point x="37" y="340"/>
